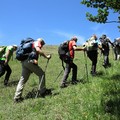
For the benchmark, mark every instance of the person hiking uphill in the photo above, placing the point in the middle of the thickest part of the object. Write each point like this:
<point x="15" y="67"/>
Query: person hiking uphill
<point x="105" y="41"/>
<point x="4" y="62"/>
<point x="70" y="64"/>
<point x="92" y="46"/>
<point x="30" y="66"/>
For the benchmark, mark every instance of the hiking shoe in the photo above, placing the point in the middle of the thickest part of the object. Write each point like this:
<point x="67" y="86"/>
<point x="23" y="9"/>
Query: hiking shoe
<point x="5" y="82"/>
<point x="109" y="64"/>
<point x="47" y="92"/>
<point x="17" y="100"/>
<point x="63" y="85"/>
<point x="74" y="82"/>
<point x="93" y="73"/>
<point x="104" y="65"/>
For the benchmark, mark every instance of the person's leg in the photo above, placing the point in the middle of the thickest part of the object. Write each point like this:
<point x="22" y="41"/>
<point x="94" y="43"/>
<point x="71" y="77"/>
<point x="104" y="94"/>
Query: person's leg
<point x="94" y="62"/>
<point x="2" y="70"/>
<point x="74" y="73"/>
<point x="24" y="77"/>
<point x="40" y="73"/>
<point x="65" y="76"/>
<point x="7" y="76"/>
<point x="93" y="57"/>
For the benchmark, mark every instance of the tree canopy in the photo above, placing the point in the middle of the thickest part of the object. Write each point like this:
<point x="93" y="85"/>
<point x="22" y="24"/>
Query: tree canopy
<point x="103" y="8"/>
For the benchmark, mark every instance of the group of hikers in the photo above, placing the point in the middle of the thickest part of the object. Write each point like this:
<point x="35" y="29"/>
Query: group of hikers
<point x="30" y="65"/>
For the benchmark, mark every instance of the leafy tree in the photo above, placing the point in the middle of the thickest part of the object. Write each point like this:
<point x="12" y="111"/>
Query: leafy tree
<point x="103" y="8"/>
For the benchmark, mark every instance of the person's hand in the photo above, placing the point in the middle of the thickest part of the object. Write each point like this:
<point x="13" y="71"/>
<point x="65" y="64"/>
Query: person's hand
<point x="6" y="62"/>
<point x="48" y="56"/>
<point x="103" y="49"/>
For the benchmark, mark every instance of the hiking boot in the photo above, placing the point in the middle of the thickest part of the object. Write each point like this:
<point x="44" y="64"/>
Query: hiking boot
<point x="47" y="92"/>
<point x="74" y="82"/>
<point x="17" y="100"/>
<point x="93" y="73"/>
<point x="5" y="82"/>
<point x="109" y="64"/>
<point x="63" y="85"/>
<point x="104" y="65"/>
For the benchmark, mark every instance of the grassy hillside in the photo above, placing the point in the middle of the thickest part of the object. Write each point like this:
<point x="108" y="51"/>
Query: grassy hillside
<point x="95" y="98"/>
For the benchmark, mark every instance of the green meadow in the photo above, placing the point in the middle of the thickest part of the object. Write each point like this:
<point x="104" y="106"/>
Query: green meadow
<point x="93" y="98"/>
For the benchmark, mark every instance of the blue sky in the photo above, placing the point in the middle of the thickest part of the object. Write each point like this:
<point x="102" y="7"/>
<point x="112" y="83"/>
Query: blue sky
<point x="53" y="20"/>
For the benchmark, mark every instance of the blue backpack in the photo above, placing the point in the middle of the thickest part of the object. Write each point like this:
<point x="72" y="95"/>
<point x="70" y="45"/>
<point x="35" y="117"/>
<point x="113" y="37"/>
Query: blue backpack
<point x="24" y="49"/>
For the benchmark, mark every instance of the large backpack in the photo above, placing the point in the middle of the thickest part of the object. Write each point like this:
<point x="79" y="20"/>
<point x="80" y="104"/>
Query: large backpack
<point x="63" y="51"/>
<point x="24" y="49"/>
<point x="90" y="45"/>
<point x="104" y="42"/>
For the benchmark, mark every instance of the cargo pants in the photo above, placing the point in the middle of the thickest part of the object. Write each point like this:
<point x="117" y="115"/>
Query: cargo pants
<point x="27" y="69"/>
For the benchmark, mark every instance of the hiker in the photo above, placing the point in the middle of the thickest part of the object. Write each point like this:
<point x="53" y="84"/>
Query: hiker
<point x="105" y="41"/>
<point x="92" y="46"/>
<point x="72" y="47"/>
<point x="4" y="62"/>
<point x="116" y="48"/>
<point x="30" y="66"/>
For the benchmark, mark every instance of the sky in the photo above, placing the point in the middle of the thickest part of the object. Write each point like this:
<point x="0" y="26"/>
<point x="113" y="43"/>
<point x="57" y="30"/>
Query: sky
<point x="53" y="20"/>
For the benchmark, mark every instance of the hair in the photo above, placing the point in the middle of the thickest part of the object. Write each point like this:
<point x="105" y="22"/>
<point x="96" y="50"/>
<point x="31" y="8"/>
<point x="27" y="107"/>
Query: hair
<point x="74" y="38"/>
<point x="41" y="41"/>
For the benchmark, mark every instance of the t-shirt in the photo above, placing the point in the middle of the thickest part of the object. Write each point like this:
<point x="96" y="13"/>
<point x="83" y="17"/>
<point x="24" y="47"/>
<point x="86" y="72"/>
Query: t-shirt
<point x="10" y="48"/>
<point x="71" y="50"/>
<point x="37" y="44"/>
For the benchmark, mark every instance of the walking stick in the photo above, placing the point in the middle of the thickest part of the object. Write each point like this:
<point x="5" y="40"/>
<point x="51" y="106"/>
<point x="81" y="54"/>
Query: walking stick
<point x="58" y="75"/>
<point x="86" y="66"/>
<point x="60" y="71"/>
<point x="42" y="79"/>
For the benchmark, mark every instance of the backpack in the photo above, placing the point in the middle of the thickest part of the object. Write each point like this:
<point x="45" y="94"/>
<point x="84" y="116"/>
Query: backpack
<point x="116" y="43"/>
<point x="25" y="48"/>
<point x="63" y="51"/>
<point x="104" y="42"/>
<point x="2" y="51"/>
<point x="90" y="45"/>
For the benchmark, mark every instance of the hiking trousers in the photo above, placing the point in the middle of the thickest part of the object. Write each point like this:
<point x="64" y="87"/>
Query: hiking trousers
<point x="69" y="66"/>
<point x="106" y="57"/>
<point x="27" y="69"/>
<point x="92" y="55"/>
<point x="3" y="69"/>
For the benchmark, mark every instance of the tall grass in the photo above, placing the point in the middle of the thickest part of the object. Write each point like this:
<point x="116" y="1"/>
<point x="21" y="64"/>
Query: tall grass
<point x="95" y="98"/>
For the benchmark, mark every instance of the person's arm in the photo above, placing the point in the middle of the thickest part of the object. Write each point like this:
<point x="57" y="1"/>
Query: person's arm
<point x="78" y="48"/>
<point x="7" y="57"/>
<point x="111" y="43"/>
<point x="42" y="53"/>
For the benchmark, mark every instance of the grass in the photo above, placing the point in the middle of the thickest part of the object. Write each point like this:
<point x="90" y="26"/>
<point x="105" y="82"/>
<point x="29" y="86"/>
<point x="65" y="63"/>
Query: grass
<point x="97" y="98"/>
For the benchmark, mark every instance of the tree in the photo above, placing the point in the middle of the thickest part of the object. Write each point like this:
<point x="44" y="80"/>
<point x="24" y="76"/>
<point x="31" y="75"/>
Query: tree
<point x="103" y="7"/>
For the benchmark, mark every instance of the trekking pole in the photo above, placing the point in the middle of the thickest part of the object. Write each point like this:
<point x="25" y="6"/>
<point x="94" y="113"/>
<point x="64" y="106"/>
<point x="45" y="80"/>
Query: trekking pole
<point x="60" y="71"/>
<point x="58" y="75"/>
<point x="42" y="79"/>
<point x="86" y="66"/>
